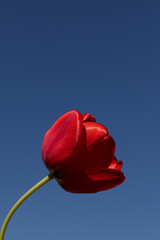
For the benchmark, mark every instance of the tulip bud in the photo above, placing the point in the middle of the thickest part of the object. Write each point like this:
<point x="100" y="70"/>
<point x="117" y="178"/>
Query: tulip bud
<point x="80" y="154"/>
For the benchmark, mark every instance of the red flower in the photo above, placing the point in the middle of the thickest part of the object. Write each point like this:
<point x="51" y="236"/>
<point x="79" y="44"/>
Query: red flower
<point x="80" y="154"/>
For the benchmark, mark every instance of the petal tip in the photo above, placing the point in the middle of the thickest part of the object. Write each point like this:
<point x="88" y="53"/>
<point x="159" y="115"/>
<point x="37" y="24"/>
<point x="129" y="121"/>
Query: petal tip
<point x="87" y="117"/>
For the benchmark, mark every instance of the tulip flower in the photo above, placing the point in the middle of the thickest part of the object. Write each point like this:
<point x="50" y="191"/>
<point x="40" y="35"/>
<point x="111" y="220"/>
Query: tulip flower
<point x="79" y="153"/>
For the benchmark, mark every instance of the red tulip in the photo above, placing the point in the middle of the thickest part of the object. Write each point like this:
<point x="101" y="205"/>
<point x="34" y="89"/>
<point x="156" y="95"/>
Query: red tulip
<point x="80" y="154"/>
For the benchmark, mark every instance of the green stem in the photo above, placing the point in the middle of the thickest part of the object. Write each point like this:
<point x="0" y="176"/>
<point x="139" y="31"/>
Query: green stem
<point x="21" y="200"/>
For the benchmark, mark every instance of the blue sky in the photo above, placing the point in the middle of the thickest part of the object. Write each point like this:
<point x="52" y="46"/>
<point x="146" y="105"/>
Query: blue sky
<point x="100" y="57"/>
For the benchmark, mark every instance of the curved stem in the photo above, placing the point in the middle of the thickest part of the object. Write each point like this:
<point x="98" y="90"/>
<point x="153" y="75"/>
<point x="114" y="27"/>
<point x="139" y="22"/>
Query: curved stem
<point x="21" y="200"/>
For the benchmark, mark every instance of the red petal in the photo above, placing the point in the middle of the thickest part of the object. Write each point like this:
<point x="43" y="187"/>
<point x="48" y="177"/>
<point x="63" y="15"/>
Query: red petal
<point x="94" y="132"/>
<point x="115" y="164"/>
<point x="93" y="182"/>
<point x="119" y="165"/>
<point x="105" y="174"/>
<point x="101" y="154"/>
<point x="88" y="118"/>
<point x="61" y="140"/>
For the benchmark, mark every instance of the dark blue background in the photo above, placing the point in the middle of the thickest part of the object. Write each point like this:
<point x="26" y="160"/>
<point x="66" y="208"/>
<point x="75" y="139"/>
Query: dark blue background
<point x="100" y="57"/>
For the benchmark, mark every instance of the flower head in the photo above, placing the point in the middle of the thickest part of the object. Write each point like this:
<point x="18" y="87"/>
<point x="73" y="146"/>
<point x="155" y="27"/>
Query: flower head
<point x="80" y="154"/>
